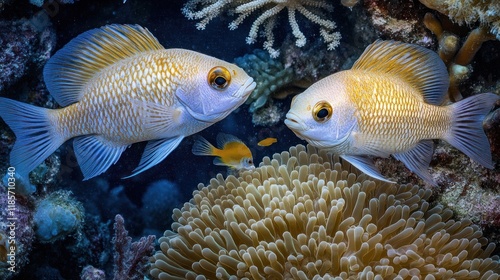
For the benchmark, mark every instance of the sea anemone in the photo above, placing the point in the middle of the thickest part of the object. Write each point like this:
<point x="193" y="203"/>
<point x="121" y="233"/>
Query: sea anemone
<point x="305" y="215"/>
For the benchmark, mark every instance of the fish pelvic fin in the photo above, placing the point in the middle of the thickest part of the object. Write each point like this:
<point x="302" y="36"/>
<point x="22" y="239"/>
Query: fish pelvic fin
<point x="365" y="165"/>
<point x="420" y="67"/>
<point x="155" y="152"/>
<point x="466" y="132"/>
<point x="67" y="73"/>
<point x="202" y="147"/>
<point x="36" y="133"/>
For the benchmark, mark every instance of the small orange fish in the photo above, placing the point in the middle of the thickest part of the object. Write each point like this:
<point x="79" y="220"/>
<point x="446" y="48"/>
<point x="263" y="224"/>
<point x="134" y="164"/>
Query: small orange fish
<point x="267" y="142"/>
<point x="232" y="152"/>
<point x="118" y="86"/>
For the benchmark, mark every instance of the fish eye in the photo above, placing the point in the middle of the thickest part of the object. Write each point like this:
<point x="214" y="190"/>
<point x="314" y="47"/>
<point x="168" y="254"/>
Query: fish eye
<point x="219" y="78"/>
<point x="322" y="111"/>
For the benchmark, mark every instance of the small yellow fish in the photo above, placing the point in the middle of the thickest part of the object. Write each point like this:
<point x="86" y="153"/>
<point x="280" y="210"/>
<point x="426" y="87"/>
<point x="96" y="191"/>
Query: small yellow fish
<point x="389" y="103"/>
<point x="232" y="152"/>
<point x="118" y="86"/>
<point x="267" y="142"/>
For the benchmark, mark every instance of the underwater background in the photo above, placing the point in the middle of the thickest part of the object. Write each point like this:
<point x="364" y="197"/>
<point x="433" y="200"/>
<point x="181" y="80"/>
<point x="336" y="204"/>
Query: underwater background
<point x="69" y="229"/>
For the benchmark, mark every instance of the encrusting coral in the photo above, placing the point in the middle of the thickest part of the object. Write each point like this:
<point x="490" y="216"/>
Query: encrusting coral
<point x="316" y="11"/>
<point x="305" y="215"/>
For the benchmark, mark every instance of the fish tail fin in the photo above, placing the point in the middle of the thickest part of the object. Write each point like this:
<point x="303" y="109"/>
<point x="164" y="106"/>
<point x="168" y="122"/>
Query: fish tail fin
<point x="466" y="133"/>
<point x="202" y="147"/>
<point x="36" y="134"/>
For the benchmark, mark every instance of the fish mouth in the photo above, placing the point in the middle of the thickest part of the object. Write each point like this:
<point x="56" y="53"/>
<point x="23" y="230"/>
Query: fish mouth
<point x="295" y="125"/>
<point x="246" y="89"/>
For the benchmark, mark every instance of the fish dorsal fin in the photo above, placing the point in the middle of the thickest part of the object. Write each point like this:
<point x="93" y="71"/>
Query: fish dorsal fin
<point x="420" y="67"/>
<point x="223" y="139"/>
<point x="71" y="68"/>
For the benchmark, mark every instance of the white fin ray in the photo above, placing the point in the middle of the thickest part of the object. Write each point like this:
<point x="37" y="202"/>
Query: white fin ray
<point x="156" y="118"/>
<point x="36" y="136"/>
<point x="67" y="73"/>
<point x="418" y="159"/>
<point x="155" y="152"/>
<point x="96" y="154"/>
<point x="420" y="67"/>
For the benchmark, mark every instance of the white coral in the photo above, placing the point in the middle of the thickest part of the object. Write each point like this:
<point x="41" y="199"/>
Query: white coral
<point x="206" y="10"/>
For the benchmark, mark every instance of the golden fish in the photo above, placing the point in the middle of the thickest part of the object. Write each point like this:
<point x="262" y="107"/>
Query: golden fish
<point x="232" y="152"/>
<point x="267" y="142"/>
<point x="118" y="86"/>
<point x="389" y="104"/>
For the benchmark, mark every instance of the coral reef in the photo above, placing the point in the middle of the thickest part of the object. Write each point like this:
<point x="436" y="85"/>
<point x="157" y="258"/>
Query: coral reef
<point x="486" y="12"/>
<point x="91" y="273"/>
<point x="305" y="215"/>
<point x="269" y="74"/>
<point x="130" y="257"/>
<point x="318" y="12"/>
<point x="268" y="115"/>
<point x="57" y="216"/>
<point x="399" y="20"/>
<point x="24" y="47"/>
<point x="455" y="57"/>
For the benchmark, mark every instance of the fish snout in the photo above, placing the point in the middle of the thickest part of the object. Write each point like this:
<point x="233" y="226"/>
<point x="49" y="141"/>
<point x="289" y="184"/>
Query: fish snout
<point x="295" y="124"/>
<point x="246" y="88"/>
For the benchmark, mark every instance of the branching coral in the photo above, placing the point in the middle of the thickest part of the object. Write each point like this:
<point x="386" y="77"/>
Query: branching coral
<point x="486" y="12"/>
<point x="269" y="74"/>
<point x="303" y="215"/>
<point x="313" y="10"/>
<point x="455" y="57"/>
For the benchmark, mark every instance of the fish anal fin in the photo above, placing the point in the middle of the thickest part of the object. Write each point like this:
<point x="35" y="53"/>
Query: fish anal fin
<point x="365" y="165"/>
<point x="420" y="67"/>
<point x="95" y="154"/>
<point x="155" y="152"/>
<point x="67" y="73"/>
<point x="418" y="159"/>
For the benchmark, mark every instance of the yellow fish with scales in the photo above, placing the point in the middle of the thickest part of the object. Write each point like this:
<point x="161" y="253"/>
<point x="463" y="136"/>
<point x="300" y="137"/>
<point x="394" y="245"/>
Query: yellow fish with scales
<point x="118" y="86"/>
<point x="232" y="152"/>
<point x="389" y="104"/>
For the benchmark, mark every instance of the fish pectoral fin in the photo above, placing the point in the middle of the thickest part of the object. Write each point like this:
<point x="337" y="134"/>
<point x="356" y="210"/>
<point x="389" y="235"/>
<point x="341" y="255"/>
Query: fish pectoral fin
<point x="418" y="159"/>
<point x="155" y="152"/>
<point x="365" y="165"/>
<point x="95" y="154"/>
<point x="156" y="118"/>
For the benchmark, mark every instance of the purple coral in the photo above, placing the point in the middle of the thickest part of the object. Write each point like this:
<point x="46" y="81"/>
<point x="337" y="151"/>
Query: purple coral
<point x="24" y="47"/>
<point x="130" y="257"/>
